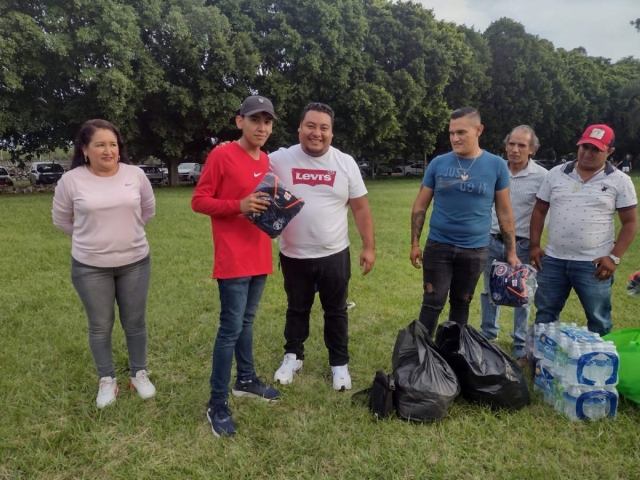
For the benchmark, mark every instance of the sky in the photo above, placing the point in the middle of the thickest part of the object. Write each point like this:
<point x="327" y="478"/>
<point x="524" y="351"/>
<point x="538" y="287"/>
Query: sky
<point x="600" y="26"/>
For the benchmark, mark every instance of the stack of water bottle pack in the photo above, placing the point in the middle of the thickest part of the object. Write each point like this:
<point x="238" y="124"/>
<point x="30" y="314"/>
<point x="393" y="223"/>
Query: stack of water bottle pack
<point x="576" y="371"/>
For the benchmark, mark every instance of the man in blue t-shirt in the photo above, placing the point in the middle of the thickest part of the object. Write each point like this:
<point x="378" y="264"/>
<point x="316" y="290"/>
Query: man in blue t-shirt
<point x="463" y="185"/>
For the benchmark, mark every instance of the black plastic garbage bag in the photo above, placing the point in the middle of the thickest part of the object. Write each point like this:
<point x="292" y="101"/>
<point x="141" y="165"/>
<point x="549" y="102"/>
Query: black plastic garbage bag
<point x="425" y="384"/>
<point x="283" y="206"/>
<point x="487" y="375"/>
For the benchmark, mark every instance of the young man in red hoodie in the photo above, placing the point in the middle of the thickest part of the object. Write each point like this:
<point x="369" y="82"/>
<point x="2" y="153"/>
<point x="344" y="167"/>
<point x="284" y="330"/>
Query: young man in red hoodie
<point x="242" y="253"/>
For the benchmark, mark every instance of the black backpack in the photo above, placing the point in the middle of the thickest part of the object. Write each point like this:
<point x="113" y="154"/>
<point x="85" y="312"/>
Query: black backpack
<point x="380" y="395"/>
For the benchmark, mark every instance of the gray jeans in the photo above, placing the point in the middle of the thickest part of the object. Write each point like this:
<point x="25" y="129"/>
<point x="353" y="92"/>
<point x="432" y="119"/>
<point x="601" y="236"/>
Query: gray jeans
<point x="99" y="289"/>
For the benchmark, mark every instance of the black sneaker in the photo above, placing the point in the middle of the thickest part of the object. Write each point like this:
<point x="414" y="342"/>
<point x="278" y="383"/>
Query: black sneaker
<point x="221" y="422"/>
<point x="256" y="389"/>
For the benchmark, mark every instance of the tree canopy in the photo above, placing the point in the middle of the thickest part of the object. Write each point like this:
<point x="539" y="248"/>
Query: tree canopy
<point x="172" y="74"/>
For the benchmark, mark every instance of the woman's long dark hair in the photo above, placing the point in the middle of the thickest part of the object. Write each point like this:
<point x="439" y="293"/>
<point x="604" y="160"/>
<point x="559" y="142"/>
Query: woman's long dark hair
<point x="86" y="134"/>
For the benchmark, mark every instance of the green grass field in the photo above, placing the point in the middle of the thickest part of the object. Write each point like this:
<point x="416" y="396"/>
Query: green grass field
<point x="50" y="428"/>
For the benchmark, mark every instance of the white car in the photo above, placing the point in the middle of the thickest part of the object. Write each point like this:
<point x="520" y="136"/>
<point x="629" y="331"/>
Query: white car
<point x="413" y="170"/>
<point x="45" y="173"/>
<point x="195" y="172"/>
<point x="183" y="171"/>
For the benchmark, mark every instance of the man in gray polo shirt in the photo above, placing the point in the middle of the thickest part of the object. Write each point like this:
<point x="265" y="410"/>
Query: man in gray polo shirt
<point x="582" y="197"/>
<point x="526" y="177"/>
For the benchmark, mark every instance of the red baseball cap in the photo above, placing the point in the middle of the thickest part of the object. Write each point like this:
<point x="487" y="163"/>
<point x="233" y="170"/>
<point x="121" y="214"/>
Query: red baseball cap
<point x="599" y="135"/>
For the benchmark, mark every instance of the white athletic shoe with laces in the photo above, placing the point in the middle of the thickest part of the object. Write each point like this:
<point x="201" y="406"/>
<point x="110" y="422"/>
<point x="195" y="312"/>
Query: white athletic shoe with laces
<point x="290" y="366"/>
<point x="107" y="391"/>
<point x="341" y="378"/>
<point x="141" y="384"/>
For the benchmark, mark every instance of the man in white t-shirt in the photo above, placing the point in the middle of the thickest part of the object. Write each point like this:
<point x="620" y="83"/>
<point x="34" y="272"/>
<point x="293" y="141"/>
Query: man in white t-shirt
<point x="582" y="197"/>
<point x="314" y="248"/>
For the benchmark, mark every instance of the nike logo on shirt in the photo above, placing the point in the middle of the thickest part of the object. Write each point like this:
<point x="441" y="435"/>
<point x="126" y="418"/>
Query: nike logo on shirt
<point x="257" y="174"/>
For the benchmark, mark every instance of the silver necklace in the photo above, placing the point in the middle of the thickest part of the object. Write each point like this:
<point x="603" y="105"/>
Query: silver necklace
<point x="465" y="171"/>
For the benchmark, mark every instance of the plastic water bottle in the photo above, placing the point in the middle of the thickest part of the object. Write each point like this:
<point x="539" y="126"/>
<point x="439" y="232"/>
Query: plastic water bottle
<point x="549" y="349"/>
<point x="562" y="355"/>
<point x="538" y="329"/>
<point x="538" y="379"/>
<point x="594" y="407"/>
<point x="589" y="369"/>
<point x="570" y="402"/>
<point x="558" y="393"/>
<point x="600" y="361"/>
<point x="571" y="370"/>
<point x="610" y="375"/>
<point x="612" y="405"/>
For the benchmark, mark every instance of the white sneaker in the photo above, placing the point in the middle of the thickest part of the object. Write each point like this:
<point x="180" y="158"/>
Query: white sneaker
<point x="107" y="392"/>
<point x="143" y="385"/>
<point x="290" y="366"/>
<point x="341" y="378"/>
<point x="350" y="305"/>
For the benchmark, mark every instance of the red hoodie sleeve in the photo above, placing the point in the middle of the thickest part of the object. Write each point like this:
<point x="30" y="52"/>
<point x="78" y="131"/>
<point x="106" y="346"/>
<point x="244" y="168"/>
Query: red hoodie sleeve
<point x="204" y="196"/>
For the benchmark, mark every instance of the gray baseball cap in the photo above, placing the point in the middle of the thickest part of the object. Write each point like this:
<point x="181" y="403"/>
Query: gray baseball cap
<point x="256" y="104"/>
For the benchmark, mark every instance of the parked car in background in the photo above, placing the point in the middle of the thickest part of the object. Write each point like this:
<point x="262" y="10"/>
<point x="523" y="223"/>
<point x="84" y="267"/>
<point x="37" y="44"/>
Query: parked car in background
<point x="42" y="173"/>
<point x="383" y="169"/>
<point x="183" y="171"/>
<point x="195" y="172"/>
<point x="165" y="173"/>
<point x="413" y="170"/>
<point x="154" y="174"/>
<point x="5" y="178"/>
<point x="378" y="169"/>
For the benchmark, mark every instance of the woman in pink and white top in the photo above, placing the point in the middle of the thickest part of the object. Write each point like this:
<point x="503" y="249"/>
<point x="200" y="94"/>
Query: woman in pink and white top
<point x="104" y="203"/>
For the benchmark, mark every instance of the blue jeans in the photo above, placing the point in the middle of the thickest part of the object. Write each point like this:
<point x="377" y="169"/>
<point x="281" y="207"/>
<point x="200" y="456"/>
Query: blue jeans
<point x="555" y="281"/>
<point x="491" y="312"/>
<point x="239" y="300"/>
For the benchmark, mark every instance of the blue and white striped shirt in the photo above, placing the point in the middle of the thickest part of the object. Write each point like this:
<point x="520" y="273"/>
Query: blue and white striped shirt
<point x="524" y="188"/>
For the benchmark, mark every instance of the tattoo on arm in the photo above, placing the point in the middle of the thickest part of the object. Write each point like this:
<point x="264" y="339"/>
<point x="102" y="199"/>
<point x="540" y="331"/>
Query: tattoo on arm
<point x="417" y="222"/>
<point x="508" y="237"/>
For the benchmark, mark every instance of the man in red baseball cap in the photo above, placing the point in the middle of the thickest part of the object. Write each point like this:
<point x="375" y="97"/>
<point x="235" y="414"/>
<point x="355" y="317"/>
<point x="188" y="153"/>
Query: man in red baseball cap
<point x="582" y="252"/>
<point x="600" y="135"/>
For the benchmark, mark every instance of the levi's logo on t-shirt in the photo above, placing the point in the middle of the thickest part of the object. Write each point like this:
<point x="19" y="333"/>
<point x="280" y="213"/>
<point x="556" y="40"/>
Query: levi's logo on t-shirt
<point x="313" y="177"/>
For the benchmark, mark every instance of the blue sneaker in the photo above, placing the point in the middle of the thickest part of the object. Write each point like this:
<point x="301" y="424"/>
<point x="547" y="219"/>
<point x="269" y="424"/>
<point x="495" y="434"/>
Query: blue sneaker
<point x="256" y="389"/>
<point x="221" y="422"/>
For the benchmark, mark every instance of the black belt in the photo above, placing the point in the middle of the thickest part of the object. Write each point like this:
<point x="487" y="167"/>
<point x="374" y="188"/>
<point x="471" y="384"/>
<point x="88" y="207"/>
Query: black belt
<point x="498" y="236"/>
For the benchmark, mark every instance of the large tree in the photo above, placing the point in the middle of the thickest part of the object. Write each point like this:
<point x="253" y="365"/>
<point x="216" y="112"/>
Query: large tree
<point x="63" y="63"/>
<point x="172" y="73"/>
<point x="169" y="73"/>
<point x="193" y="70"/>
<point x="310" y="51"/>
<point x="519" y="87"/>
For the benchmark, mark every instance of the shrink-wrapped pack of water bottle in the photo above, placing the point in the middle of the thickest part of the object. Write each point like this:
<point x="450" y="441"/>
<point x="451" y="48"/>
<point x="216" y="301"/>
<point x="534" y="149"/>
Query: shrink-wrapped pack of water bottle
<point x="576" y="370"/>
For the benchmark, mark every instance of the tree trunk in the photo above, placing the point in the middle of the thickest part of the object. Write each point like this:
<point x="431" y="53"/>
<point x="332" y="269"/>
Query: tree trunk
<point x="172" y="166"/>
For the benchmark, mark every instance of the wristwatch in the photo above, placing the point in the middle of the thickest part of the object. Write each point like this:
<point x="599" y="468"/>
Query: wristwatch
<point x="615" y="259"/>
